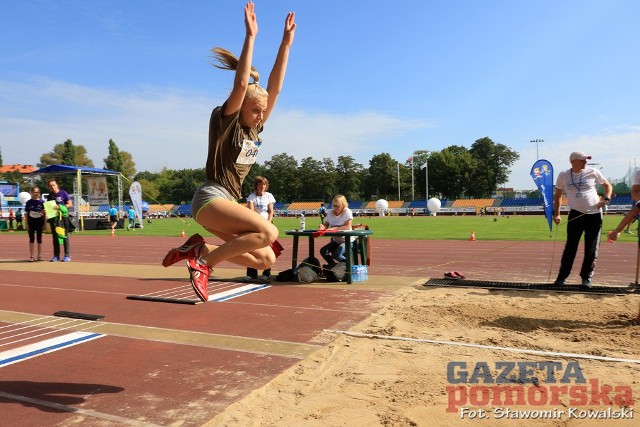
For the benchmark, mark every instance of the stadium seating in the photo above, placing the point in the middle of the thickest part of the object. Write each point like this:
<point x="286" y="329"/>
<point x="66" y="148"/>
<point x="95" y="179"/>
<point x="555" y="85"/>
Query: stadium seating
<point x="304" y="206"/>
<point x="393" y="204"/>
<point x="473" y="203"/>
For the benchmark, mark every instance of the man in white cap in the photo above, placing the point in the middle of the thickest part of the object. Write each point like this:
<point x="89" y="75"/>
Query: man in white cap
<point x="585" y="216"/>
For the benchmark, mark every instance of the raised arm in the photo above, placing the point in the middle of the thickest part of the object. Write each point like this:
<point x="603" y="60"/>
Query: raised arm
<point x="243" y="69"/>
<point x="276" y="78"/>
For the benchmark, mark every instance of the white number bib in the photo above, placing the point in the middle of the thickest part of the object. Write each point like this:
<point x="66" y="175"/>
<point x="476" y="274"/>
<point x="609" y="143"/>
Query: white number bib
<point x="248" y="152"/>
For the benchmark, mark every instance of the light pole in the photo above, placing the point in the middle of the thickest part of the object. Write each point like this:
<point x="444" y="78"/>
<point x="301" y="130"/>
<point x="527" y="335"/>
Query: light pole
<point x="425" y="166"/>
<point x="398" y="180"/>
<point x="413" y="197"/>
<point x="537" y="141"/>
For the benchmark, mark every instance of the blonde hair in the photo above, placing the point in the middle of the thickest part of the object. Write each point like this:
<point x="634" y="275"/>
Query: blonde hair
<point x="229" y="61"/>
<point x="341" y="200"/>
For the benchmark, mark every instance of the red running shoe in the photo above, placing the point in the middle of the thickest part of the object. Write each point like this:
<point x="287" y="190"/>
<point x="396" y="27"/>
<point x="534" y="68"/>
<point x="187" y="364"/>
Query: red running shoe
<point x="190" y="249"/>
<point x="199" y="276"/>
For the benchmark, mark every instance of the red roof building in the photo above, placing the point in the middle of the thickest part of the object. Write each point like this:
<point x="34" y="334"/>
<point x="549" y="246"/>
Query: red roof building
<point x="23" y="169"/>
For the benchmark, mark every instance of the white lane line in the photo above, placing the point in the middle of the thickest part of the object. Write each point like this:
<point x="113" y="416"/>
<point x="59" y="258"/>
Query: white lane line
<point x="236" y="292"/>
<point x="47" y="346"/>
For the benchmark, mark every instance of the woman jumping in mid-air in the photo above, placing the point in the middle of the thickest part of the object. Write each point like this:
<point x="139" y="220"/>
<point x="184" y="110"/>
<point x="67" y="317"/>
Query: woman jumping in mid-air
<point x="233" y="148"/>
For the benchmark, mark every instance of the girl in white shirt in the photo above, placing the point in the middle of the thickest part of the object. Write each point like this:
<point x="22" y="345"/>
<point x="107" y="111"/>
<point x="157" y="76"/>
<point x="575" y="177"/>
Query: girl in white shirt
<point x="262" y="202"/>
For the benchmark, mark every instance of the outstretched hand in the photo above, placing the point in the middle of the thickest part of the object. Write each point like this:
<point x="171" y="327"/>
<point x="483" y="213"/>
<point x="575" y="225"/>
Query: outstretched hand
<point x="613" y="236"/>
<point x="250" y="21"/>
<point x="289" y="29"/>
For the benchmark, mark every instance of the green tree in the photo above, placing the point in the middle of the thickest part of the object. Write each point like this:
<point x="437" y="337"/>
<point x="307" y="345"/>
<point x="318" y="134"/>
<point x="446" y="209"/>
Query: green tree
<point x="65" y="153"/>
<point x="284" y="180"/>
<point x="494" y="161"/>
<point x="381" y="179"/>
<point x="312" y="179"/>
<point x="150" y="183"/>
<point x="178" y="186"/>
<point x="150" y="190"/>
<point x="329" y="179"/>
<point x="349" y="175"/>
<point x="450" y="172"/>
<point x="69" y="153"/>
<point x="113" y="162"/>
<point x="1" y="164"/>
<point x="57" y="155"/>
<point x="128" y="165"/>
<point x="120" y="161"/>
<point x="621" y="188"/>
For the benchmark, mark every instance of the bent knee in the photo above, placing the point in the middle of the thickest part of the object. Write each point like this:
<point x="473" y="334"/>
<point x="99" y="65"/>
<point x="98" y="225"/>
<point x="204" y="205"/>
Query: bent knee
<point x="269" y="234"/>
<point x="266" y="260"/>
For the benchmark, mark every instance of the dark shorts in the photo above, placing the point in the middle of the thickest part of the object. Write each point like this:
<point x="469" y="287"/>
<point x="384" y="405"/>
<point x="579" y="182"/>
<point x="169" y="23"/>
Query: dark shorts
<point x="113" y="218"/>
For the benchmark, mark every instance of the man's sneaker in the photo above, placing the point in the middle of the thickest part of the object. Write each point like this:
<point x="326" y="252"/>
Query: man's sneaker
<point x="587" y="283"/>
<point x="190" y="250"/>
<point x="54" y="259"/>
<point x="66" y="259"/>
<point x="560" y="283"/>
<point x="199" y="276"/>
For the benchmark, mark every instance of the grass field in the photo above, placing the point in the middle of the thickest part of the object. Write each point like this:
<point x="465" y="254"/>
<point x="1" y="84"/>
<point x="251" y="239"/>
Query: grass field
<point x="531" y="228"/>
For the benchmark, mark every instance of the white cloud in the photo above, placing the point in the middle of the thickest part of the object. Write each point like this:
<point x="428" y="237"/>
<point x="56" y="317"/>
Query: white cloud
<point x="612" y="151"/>
<point x="168" y="127"/>
<point x="360" y="135"/>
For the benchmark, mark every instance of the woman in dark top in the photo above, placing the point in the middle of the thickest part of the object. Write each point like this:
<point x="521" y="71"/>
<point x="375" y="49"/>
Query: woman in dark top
<point x="34" y="210"/>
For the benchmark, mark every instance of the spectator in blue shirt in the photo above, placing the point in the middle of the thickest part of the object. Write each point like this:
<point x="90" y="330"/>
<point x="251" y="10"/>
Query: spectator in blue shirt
<point x="132" y="218"/>
<point x="113" y="217"/>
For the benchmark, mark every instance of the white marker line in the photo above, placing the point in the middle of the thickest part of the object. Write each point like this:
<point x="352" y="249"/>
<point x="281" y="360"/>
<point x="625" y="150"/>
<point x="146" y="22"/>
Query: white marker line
<point x="488" y="347"/>
<point x="26" y="322"/>
<point x="47" y="346"/>
<point x="234" y="293"/>
<point x="33" y="330"/>
<point x="87" y="325"/>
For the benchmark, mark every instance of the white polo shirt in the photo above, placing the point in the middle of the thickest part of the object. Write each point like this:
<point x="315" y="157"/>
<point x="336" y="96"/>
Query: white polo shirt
<point x="580" y="189"/>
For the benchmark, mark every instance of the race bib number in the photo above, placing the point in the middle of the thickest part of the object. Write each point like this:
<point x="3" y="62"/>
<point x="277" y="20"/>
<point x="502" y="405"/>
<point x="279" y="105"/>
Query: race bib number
<point x="248" y="152"/>
<point x="34" y="214"/>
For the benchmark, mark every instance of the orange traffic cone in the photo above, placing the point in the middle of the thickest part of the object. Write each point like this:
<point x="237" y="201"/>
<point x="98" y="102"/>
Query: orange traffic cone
<point x="182" y="234"/>
<point x="473" y="235"/>
<point x="113" y="232"/>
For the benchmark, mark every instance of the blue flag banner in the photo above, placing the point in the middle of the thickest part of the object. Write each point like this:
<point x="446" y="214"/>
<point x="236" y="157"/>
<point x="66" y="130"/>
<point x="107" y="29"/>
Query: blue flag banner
<point x="542" y="174"/>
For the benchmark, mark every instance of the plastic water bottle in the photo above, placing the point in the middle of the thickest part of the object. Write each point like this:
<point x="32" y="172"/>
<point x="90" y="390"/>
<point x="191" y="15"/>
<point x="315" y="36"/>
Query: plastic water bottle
<point x="302" y="222"/>
<point x="354" y="274"/>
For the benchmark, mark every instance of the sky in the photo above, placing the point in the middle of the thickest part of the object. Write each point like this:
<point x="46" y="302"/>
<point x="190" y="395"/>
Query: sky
<point x="365" y="77"/>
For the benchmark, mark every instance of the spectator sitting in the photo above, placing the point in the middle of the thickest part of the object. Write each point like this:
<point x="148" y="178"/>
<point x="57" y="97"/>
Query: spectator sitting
<point x="339" y="217"/>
